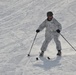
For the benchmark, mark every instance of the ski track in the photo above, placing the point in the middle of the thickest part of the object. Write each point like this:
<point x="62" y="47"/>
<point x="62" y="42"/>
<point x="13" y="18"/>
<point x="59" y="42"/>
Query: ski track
<point x="17" y="8"/>
<point x="25" y="16"/>
<point x="17" y="27"/>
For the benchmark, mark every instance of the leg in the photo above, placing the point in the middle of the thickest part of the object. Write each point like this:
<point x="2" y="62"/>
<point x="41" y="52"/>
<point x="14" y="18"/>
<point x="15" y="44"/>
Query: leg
<point x="45" y="44"/>
<point x="58" y="44"/>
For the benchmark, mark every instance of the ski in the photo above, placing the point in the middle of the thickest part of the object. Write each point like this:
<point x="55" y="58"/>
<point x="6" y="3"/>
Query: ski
<point x="37" y="58"/>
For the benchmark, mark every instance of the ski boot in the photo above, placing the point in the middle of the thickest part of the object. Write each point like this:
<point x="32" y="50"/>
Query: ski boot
<point x="59" y="53"/>
<point x="41" y="54"/>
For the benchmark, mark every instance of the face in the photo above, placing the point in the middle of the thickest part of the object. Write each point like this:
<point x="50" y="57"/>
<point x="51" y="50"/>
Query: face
<point x="49" y="18"/>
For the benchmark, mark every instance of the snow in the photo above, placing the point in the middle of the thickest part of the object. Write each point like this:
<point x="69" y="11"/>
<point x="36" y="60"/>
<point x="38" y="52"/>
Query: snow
<point x="18" y="21"/>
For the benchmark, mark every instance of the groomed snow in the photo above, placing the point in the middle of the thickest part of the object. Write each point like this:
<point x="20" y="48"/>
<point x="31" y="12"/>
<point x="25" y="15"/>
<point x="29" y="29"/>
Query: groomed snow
<point x="19" y="20"/>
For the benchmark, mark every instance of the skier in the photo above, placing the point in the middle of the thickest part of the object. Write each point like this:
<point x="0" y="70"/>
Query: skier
<point x="53" y="28"/>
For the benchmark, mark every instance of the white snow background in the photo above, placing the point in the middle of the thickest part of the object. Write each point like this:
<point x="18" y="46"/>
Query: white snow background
<point x="19" y="20"/>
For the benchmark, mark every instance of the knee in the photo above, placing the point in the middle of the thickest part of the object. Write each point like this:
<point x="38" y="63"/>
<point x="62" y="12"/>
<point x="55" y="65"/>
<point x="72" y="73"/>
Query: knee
<point x="57" y="40"/>
<point x="47" y="41"/>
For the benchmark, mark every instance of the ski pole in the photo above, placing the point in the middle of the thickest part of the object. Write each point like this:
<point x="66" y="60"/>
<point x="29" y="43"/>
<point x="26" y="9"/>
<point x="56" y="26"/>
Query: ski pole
<point x="32" y="44"/>
<point x="67" y="42"/>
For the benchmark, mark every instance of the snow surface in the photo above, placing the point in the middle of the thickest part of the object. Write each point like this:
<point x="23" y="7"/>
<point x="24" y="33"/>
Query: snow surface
<point x="18" y="21"/>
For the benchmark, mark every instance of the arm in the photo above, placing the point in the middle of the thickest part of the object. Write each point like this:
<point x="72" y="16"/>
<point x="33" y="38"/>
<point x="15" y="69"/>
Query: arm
<point x="59" y="27"/>
<point x="41" y="27"/>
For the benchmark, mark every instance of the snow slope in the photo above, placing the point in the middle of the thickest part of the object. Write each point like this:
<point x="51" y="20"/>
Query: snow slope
<point x="18" y="21"/>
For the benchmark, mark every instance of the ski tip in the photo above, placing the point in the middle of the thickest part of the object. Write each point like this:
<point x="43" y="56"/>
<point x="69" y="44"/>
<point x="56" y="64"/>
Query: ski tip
<point x="28" y="55"/>
<point x="37" y="58"/>
<point x="48" y="58"/>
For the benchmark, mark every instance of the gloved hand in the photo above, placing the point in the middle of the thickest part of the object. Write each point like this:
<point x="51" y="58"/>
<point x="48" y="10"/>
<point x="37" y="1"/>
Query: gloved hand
<point x="58" y="31"/>
<point x="37" y="30"/>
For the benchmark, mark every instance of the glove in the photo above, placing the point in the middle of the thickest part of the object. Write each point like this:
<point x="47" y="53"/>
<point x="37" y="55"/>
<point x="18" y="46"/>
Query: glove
<point x="37" y="30"/>
<point x="58" y="31"/>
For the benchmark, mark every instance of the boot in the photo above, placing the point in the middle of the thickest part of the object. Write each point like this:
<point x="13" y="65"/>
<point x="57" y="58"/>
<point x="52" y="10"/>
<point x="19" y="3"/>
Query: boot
<point x="41" y="54"/>
<point x="59" y="53"/>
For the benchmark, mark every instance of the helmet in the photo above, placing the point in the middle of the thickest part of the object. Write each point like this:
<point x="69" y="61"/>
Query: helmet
<point x="49" y="13"/>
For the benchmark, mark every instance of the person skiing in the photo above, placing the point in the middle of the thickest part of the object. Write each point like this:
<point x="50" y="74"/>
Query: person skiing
<point x="53" y="28"/>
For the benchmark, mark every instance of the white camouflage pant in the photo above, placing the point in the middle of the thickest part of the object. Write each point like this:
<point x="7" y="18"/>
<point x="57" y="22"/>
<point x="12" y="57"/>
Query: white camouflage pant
<point x="48" y="39"/>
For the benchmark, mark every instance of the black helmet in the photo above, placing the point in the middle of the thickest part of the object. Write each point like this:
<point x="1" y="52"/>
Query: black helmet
<point x="49" y="13"/>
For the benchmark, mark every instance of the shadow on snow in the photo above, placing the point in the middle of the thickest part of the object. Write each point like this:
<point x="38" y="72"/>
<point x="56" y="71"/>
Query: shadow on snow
<point x="48" y="64"/>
